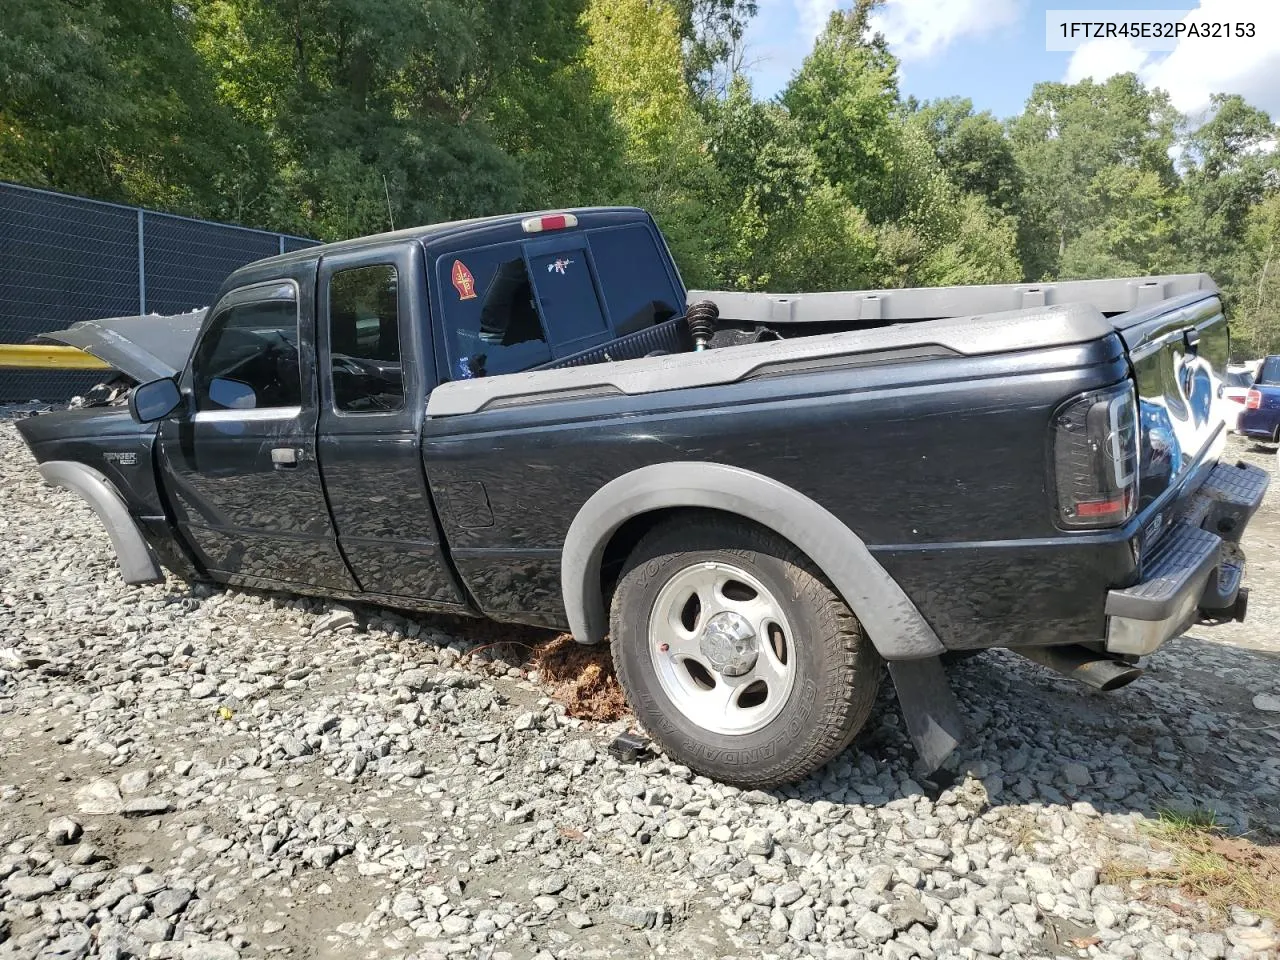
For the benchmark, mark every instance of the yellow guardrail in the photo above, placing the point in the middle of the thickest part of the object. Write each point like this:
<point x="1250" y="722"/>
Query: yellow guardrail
<point x="38" y="356"/>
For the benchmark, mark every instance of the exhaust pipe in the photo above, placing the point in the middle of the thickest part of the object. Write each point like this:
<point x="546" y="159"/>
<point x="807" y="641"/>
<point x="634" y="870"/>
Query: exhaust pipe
<point x="1097" y="670"/>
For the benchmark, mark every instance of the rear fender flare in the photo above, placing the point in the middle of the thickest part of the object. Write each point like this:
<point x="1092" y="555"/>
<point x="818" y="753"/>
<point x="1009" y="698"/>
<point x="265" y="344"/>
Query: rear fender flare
<point x="138" y="563"/>
<point x="891" y="620"/>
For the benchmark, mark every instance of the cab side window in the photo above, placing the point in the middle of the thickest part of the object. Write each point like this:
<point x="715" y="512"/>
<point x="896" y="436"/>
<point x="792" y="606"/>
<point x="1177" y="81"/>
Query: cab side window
<point x="248" y="358"/>
<point x="364" y="340"/>
<point x="491" y="321"/>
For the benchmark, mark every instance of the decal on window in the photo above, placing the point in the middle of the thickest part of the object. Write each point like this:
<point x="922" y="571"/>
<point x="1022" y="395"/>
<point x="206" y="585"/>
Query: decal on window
<point x="559" y="266"/>
<point x="463" y="281"/>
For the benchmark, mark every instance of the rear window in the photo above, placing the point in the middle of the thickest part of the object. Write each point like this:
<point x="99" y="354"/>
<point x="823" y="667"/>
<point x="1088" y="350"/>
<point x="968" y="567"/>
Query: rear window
<point x="633" y="278"/>
<point x="1242" y="378"/>
<point x="491" y="321"/>
<point x="568" y="298"/>
<point x="1270" y="371"/>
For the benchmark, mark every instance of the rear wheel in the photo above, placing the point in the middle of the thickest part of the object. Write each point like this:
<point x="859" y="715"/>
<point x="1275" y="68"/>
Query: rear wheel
<point x="735" y="653"/>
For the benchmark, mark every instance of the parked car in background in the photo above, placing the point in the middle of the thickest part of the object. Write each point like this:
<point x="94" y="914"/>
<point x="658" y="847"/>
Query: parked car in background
<point x="1235" y="389"/>
<point x="1261" y="417"/>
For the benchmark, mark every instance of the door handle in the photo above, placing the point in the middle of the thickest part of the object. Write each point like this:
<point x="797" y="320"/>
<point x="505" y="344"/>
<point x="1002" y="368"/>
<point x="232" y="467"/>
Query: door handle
<point x="284" y="458"/>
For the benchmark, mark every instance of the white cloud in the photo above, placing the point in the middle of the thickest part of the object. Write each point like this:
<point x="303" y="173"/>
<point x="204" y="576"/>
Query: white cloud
<point x="813" y="15"/>
<point x="1105" y="58"/>
<point x="1199" y="67"/>
<point x="917" y="29"/>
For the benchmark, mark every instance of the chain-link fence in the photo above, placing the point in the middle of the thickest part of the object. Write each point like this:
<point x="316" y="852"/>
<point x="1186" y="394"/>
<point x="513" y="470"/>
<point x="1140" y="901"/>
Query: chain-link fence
<point x="64" y="259"/>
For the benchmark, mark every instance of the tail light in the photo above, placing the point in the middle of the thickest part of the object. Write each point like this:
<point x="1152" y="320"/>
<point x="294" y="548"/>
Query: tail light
<point x="1095" y="458"/>
<point x="1253" y="400"/>
<point x="1236" y="397"/>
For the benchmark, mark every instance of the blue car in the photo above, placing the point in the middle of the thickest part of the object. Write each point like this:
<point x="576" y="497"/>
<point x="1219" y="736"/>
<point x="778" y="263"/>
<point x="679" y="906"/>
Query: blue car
<point x="1261" y="417"/>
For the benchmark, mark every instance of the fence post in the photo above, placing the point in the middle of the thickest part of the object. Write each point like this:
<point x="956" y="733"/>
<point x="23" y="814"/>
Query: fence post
<point x="142" y="267"/>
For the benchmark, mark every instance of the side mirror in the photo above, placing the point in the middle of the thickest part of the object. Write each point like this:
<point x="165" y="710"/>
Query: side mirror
<point x="232" y="394"/>
<point x="154" y="400"/>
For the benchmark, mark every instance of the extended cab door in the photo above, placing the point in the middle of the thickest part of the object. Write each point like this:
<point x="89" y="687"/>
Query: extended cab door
<point x="373" y="333"/>
<point x="240" y="469"/>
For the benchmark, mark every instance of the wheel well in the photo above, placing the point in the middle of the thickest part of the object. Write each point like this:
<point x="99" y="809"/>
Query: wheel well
<point x="633" y="530"/>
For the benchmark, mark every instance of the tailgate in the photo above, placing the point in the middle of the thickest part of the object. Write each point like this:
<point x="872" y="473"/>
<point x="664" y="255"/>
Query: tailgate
<point x="1178" y="349"/>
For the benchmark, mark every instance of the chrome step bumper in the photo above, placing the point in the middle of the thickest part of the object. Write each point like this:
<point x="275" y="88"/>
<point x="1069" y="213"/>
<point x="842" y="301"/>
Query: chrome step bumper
<point x="1195" y="570"/>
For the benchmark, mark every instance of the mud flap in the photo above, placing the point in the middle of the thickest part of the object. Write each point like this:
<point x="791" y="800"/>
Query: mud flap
<point x="929" y="707"/>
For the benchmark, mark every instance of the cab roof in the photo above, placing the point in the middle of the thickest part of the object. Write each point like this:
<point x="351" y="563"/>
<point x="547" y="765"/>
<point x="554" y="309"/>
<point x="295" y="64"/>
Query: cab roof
<point x="432" y="232"/>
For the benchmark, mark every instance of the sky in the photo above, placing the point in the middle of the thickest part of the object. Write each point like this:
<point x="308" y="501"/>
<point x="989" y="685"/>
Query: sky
<point x="994" y="51"/>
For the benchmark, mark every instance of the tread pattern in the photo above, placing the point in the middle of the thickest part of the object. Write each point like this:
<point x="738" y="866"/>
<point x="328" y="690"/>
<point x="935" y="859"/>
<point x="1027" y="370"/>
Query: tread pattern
<point x="851" y="668"/>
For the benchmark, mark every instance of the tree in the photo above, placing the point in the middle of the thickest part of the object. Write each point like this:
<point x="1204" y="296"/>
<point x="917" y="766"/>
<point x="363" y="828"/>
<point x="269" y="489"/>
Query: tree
<point x="1255" y="325"/>
<point x="1069" y="134"/>
<point x="105" y="99"/>
<point x="712" y="35"/>
<point x="973" y="150"/>
<point x="1229" y="163"/>
<point x="634" y="54"/>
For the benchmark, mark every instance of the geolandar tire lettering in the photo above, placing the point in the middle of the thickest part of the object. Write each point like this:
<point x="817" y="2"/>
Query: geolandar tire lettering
<point x="736" y="654"/>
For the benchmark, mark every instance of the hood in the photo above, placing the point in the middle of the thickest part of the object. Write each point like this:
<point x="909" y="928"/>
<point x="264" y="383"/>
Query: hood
<point x="145" y="347"/>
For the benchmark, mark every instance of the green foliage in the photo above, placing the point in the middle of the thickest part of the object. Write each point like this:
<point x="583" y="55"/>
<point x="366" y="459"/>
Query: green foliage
<point x="335" y="118"/>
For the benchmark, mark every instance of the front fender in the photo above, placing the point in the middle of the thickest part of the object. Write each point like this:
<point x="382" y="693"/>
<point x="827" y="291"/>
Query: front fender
<point x="138" y="563"/>
<point x="891" y="620"/>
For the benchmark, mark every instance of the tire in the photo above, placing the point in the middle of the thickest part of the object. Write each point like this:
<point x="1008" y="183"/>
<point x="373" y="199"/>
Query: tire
<point x="811" y="685"/>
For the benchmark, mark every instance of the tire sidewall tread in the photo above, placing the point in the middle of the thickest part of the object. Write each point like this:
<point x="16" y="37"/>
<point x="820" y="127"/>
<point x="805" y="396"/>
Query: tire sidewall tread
<point x="838" y="670"/>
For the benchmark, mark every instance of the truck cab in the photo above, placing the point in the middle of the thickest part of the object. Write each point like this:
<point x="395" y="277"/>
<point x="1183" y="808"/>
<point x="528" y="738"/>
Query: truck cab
<point x="291" y="454"/>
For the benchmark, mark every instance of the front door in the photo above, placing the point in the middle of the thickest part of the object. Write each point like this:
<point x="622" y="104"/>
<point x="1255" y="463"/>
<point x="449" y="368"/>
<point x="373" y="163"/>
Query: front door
<point x="241" y="469"/>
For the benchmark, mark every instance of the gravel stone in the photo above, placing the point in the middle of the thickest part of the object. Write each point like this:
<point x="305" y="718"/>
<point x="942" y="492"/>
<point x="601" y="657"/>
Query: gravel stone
<point x="169" y="903"/>
<point x="63" y="831"/>
<point x="757" y="841"/>
<point x="146" y="807"/>
<point x="29" y="888"/>
<point x="99" y="798"/>
<point x="637" y="917"/>
<point x="874" y="927"/>
<point x="578" y="751"/>
<point x="1077" y="774"/>
<point x="803" y="924"/>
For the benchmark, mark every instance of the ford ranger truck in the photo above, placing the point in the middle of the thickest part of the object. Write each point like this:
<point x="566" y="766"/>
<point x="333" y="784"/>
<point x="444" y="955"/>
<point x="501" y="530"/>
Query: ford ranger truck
<point x="759" y="500"/>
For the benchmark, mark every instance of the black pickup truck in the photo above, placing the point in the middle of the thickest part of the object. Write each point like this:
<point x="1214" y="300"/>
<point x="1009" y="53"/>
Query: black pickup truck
<point x="759" y="498"/>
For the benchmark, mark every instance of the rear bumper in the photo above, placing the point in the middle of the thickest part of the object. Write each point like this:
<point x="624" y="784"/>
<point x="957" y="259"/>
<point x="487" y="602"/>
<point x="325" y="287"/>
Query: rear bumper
<point x="1195" y="570"/>
<point x="1258" y="424"/>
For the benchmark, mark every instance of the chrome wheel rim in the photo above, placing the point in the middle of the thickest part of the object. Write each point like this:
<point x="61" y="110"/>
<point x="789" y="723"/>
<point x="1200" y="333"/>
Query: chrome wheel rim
<point x="722" y="648"/>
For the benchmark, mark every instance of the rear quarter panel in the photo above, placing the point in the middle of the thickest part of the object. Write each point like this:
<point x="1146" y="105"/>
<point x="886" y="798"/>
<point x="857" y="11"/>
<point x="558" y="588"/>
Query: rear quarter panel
<point x="938" y="465"/>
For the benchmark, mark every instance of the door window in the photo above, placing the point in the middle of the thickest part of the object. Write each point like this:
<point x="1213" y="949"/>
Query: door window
<point x="254" y="345"/>
<point x="568" y="299"/>
<point x="491" y="321"/>
<point x="364" y="340"/>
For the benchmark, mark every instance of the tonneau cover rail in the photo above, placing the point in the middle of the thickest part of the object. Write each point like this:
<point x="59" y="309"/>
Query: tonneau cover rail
<point x="926" y="303"/>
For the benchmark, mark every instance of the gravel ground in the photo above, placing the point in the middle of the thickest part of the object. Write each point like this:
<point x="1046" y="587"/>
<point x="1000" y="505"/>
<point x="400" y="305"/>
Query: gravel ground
<point x="211" y="774"/>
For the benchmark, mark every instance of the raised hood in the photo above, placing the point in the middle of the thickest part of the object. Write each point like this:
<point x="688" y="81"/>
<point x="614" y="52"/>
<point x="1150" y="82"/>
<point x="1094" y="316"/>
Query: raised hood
<point x="144" y="347"/>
